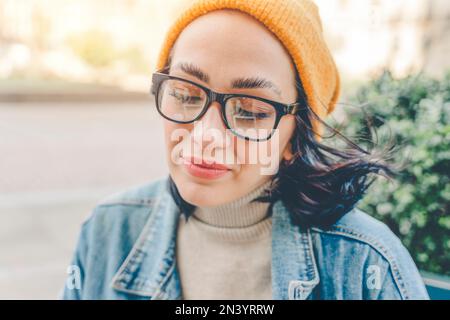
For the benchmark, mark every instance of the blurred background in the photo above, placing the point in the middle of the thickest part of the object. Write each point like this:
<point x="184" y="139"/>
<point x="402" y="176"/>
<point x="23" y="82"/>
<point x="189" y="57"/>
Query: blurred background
<point x="77" y="122"/>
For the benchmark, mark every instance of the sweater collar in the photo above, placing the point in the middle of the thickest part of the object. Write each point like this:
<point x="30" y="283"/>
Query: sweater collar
<point x="241" y="213"/>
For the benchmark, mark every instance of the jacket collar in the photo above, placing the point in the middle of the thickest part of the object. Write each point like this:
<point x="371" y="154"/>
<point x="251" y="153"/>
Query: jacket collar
<point x="150" y="268"/>
<point x="294" y="270"/>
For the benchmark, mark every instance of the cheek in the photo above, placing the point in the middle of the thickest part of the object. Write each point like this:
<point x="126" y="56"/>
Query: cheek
<point x="174" y="132"/>
<point x="246" y="151"/>
<point x="286" y="130"/>
<point x="169" y="129"/>
<point x="257" y="155"/>
<point x="174" y="135"/>
<point x="242" y="150"/>
<point x="179" y="138"/>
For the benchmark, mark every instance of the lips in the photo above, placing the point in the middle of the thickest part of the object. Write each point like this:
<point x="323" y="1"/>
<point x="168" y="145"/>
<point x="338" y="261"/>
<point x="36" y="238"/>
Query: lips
<point x="204" y="169"/>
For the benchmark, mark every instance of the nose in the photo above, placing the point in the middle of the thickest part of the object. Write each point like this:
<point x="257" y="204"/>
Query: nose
<point x="210" y="128"/>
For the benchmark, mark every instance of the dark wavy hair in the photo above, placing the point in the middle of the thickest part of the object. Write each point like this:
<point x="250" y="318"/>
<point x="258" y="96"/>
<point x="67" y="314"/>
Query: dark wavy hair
<point x="321" y="183"/>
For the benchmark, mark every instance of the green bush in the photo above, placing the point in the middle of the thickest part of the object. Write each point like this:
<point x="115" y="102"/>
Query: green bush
<point x="415" y="112"/>
<point x="95" y="47"/>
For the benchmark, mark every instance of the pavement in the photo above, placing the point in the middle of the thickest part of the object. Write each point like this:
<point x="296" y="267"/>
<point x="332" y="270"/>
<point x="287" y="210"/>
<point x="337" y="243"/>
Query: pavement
<point x="57" y="160"/>
<point x="38" y="90"/>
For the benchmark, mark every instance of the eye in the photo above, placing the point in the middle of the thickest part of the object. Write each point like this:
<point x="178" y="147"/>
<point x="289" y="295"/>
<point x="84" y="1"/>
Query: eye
<point x="184" y="96"/>
<point x="248" y="115"/>
<point x="248" y="109"/>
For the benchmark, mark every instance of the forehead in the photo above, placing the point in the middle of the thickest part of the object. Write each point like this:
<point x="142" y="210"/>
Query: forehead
<point x="229" y="41"/>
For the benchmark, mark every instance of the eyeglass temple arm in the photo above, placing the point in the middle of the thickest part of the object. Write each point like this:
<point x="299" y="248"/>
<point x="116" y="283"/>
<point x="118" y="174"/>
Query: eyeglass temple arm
<point x="293" y="108"/>
<point x="153" y="86"/>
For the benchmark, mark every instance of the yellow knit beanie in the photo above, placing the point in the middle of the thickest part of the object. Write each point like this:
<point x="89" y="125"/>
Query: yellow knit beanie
<point x="297" y="25"/>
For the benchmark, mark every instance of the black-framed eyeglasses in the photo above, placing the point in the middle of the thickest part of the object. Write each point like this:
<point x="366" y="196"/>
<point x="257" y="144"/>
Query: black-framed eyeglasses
<point x="249" y="117"/>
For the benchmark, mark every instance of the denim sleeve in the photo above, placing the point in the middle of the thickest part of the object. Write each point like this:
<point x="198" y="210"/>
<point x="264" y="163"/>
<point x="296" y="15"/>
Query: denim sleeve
<point x="390" y="290"/>
<point x="379" y="283"/>
<point x="73" y="286"/>
<point x="393" y="277"/>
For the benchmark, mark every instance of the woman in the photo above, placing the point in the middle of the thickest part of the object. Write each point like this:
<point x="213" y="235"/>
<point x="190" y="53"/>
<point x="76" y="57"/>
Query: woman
<point x="256" y="206"/>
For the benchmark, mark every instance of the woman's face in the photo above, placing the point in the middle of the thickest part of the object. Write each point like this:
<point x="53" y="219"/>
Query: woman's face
<point x="225" y="45"/>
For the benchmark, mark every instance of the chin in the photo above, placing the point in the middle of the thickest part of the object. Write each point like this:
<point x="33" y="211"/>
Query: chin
<point x="192" y="191"/>
<point x="198" y="194"/>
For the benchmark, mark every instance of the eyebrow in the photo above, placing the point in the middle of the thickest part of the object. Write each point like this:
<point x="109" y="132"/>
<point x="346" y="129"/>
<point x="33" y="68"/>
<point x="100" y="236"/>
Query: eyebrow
<point x="238" y="83"/>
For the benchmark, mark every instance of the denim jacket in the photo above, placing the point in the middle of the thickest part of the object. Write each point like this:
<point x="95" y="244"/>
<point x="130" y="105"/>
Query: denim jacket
<point x="126" y="250"/>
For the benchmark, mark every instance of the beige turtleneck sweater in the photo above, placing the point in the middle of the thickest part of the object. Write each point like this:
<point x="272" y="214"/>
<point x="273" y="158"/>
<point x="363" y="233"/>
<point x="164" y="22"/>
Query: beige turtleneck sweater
<point x="224" y="252"/>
